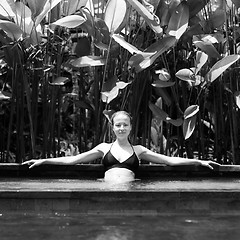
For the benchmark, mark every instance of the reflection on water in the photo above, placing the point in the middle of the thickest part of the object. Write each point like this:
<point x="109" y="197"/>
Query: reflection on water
<point x="22" y="226"/>
<point x="137" y="185"/>
<point x="115" y="233"/>
<point x="115" y="186"/>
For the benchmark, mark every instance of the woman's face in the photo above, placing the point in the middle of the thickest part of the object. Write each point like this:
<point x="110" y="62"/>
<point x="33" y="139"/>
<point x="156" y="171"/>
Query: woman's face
<point x="121" y="125"/>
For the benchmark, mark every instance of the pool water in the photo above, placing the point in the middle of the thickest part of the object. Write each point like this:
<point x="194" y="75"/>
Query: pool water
<point x="172" y="184"/>
<point x="167" y="209"/>
<point x="23" y="225"/>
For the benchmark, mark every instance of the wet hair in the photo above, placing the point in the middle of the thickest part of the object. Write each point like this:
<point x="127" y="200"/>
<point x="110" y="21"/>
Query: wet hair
<point x="121" y="112"/>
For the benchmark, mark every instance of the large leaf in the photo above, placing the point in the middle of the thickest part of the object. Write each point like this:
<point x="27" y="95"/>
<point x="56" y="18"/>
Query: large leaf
<point x="136" y="59"/>
<point x="189" y="121"/>
<point x="71" y="21"/>
<point x="185" y="74"/>
<point x="36" y="6"/>
<point x="191" y="111"/>
<point x="217" y="18"/>
<point x="161" y="45"/>
<point x="24" y="17"/>
<point x="196" y="5"/>
<point x="115" y="14"/>
<point x="111" y="89"/>
<point x="189" y="126"/>
<point x="220" y="66"/>
<point x="176" y="122"/>
<point x="108" y="114"/>
<point x="158" y="112"/>
<point x="140" y="62"/>
<point x="11" y="29"/>
<point x="71" y="6"/>
<point x="88" y="61"/>
<point x="50" y="4"/>
<point x="208" y="48"/>
<point x="7" y="8"/>
<point x="161" y="115"/>
<point x="88" y="25"/>
<point x="120" y="40"/>
<point x="102" y="34"/>
<point x="164" y="94"/>
<point x="201" y="59"/>
<point x="165" y="10"/>
<point x="179" y="21"/>
<point x="212" y="38"/>
<point x="147" y="16"/>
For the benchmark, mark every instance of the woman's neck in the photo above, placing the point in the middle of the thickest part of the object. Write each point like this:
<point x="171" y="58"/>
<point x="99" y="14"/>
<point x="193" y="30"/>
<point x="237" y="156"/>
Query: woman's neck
<point x="122" y="142"/>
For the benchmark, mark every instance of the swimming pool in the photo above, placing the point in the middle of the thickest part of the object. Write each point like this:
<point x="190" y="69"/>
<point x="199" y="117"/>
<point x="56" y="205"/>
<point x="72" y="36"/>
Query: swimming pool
<point x="90" y="196"/>
<point x="70" y="226"/>
<point x="179" y="207"/>
<point x="183" y="208"/>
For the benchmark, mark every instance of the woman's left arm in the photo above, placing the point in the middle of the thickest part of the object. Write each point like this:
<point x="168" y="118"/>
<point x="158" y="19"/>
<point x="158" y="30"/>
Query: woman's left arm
<point x="153" y="157"/>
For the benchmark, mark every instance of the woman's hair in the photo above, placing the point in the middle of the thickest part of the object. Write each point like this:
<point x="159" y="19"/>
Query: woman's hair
<point x="121" y="112"/>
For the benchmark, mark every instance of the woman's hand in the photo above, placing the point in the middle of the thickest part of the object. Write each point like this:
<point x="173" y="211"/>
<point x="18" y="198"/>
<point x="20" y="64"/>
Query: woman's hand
<point x="210" y="164"/>
<point x="33" y="163"/>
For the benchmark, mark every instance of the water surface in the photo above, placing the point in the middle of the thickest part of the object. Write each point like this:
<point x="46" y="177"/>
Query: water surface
<point x="22" y="226"/>
<point x="181" y="184"/>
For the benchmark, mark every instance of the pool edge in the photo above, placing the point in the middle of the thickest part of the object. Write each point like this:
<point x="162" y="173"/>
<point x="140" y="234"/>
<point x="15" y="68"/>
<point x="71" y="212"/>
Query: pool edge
<point x="97" y="171"/>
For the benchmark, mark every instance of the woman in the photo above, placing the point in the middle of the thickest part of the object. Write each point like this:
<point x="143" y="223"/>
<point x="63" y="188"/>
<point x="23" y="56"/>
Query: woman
<point x="120" y="158"/>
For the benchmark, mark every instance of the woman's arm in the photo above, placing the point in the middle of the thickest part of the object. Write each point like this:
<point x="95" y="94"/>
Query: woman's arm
<point x="86" y="157"/>
<point x="153" y="157"/>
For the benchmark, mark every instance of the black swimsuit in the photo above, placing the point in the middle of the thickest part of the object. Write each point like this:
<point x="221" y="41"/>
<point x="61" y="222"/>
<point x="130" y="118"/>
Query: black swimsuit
<point x="109" y="161"/>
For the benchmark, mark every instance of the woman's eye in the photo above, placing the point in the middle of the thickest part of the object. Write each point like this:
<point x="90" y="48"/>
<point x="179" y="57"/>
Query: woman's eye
<point x="120" y="125"/>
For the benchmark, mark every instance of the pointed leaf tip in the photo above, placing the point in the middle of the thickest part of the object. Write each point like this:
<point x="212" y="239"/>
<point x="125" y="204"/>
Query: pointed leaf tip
<point x="71" y="21"/>
<point x="189" y="126"/>
<point x="191" y="111"/>
<point x="115" y="13"/>
<point x="220" y="66"/>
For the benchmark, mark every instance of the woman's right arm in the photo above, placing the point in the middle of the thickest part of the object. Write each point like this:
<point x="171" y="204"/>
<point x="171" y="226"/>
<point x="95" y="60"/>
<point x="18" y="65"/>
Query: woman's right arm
<point x="86" y="157"/>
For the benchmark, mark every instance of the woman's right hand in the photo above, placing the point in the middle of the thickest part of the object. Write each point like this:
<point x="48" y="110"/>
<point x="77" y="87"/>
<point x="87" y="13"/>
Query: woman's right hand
<point x="33" y="163"/>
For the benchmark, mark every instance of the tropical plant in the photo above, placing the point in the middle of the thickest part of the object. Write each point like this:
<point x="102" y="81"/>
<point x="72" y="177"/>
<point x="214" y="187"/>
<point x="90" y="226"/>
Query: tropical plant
<point x="172" y="64"/>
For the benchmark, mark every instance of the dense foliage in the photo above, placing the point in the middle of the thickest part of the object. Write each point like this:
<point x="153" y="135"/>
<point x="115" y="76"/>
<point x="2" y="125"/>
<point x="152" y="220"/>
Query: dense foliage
<point x="66" y="66"/>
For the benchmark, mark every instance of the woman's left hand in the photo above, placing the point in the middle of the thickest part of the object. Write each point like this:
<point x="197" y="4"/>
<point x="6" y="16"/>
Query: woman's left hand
<point x="210" y="164"/>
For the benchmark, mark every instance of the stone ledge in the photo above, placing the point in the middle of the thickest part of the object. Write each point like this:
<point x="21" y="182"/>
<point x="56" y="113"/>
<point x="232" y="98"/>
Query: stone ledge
<point x="121" y="202"/>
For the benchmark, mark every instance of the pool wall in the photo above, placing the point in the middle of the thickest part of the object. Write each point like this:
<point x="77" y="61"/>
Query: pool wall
<point x="129" y="201"/>
<point x="123" y="202"/>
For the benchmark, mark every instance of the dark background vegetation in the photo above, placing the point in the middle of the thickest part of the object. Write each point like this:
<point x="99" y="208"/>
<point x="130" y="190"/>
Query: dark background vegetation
<point x="66" y="66"/>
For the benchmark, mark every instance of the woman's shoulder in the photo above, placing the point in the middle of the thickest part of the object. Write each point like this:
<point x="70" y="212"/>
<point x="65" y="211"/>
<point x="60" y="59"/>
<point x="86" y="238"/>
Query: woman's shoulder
<point x="139" y="149"/>
<point x="103" y="147"/>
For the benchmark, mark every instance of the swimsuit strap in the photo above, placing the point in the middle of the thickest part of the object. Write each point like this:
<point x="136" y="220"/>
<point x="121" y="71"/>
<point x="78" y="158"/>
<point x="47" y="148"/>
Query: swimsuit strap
<point x="110" y="147"/>
<point x="132" y="148"/>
